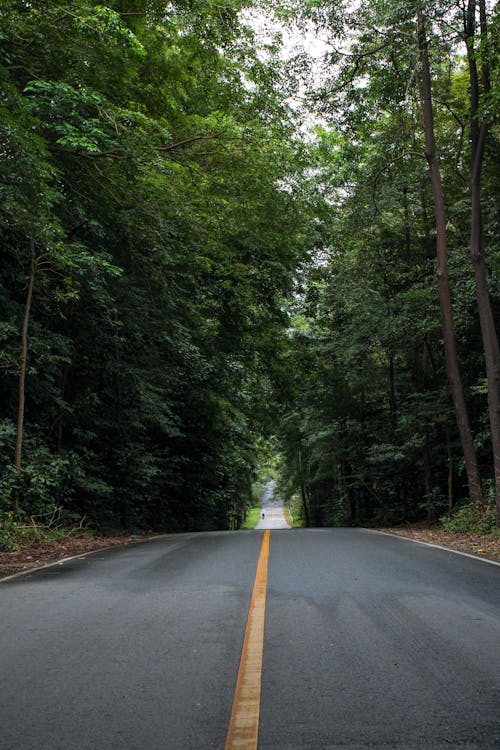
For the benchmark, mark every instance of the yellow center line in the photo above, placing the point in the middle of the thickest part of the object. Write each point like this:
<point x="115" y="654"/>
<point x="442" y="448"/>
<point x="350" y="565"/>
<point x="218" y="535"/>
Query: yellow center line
<point x="243" y="729"/>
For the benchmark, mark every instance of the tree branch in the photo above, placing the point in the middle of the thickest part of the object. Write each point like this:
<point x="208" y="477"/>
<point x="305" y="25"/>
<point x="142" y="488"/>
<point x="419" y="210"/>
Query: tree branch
<point x="186" y="141"/>
<point x="115" y="153"/>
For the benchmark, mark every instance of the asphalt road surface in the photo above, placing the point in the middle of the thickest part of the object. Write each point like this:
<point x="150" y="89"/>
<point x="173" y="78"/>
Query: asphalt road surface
<point x="370" y="642"/>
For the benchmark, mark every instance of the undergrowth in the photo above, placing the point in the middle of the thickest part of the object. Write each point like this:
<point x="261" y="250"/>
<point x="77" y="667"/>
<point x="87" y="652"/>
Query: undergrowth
<point x="471" y="519"/>
<point x="294" y="511"/>
<point x="252" y="518"/>
<point x="54" y="526"/>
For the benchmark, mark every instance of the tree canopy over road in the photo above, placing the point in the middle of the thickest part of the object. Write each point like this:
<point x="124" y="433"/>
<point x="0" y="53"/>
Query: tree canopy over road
<point x="209" y="238"/>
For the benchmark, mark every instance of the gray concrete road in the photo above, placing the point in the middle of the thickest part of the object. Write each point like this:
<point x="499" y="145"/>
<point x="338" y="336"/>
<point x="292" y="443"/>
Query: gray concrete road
<point x="370" y="642"/>
<point x="272" y="515"/>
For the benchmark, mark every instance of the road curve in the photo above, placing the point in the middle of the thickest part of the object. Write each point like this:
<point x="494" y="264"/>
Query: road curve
<point x="370" y="642"/>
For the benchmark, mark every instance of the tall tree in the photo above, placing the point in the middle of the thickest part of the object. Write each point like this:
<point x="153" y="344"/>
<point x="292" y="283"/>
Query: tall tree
<point x="478" y="50"/>
<point x="451" y="358"/>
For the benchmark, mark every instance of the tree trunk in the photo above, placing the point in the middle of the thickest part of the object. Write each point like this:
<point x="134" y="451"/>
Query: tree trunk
<point x="451" y="360"/>
<point x="406" y="208"/>
<point x="22" y="369"/>
<point x="303" y="491"/>
<point x="429" y="494"/>
<point x="346" y="498"/>
<point x="450" y="468"/>
<point x="62" y="411"/>
<point x="488" y="331"/>
<point x="392" y="397"/>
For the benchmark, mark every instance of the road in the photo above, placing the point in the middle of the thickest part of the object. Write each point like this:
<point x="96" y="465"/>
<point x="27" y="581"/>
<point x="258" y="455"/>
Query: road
<point x="370" y="642"/>
<point x="272" y="516"/>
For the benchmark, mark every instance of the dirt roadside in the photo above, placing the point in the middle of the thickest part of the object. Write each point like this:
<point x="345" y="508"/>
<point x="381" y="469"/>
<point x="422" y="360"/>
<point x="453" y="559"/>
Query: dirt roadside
<point x="44" y="552"/>
<point x="482" y="545"/>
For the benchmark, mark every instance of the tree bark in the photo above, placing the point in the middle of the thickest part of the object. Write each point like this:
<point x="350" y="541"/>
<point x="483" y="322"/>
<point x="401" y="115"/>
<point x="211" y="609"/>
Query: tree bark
<point x="392" y="397"/>
<point x="450" y="468"/>
<point x="303" y="491"/>
<point x="488" y="332"/>
<point x="406" y="209"/>
<point x="451" y="360"/>
<point x="22" y="369"/>
<point x="429" y="494"/>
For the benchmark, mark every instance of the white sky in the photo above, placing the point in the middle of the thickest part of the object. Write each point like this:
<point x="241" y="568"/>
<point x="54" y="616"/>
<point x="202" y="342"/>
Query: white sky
<point x="292" y="42"/>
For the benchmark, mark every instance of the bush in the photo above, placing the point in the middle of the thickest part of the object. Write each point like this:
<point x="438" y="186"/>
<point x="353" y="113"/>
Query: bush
<point x="295" y="511"/>
<point x="8" y="528"/>
<point x="471" y="519"/>
<point x="53" y="526"/>
<point x="45" y="482"/>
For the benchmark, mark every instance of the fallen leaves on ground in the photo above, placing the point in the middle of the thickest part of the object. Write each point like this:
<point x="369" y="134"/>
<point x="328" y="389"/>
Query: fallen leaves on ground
<point x="483" y="545"/>
<point x="48" y="551"/>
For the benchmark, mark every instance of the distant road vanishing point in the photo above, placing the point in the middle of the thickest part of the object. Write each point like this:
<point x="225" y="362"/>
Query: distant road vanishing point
<point x="272" y="515"/>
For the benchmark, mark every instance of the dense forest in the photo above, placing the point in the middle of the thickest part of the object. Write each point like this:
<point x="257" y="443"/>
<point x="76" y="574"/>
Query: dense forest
<point x="230" y="229"/>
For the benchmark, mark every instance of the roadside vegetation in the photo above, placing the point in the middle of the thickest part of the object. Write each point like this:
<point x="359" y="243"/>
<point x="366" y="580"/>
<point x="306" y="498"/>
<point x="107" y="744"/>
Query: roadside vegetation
<point x="52" y="527"/>
<point x="252" y="518"/>
<point x="294" y="512"/>
<point x="390" y="396"/>
<point x="472" y="519"/>
<point x="149" y="164"/>
<point x="218" y="250"/>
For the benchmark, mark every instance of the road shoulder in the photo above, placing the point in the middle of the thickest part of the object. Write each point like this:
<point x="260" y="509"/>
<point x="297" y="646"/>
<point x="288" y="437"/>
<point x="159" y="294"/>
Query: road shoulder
<point x="481" y="546"/>
<point x="35" y="557"/>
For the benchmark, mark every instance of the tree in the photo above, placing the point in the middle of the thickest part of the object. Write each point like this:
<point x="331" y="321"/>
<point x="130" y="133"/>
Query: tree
<point x="167" y="162"/>
<point x="452" y="369"/>
<point x="478" y="132"/>
<point x="370" y="168"/>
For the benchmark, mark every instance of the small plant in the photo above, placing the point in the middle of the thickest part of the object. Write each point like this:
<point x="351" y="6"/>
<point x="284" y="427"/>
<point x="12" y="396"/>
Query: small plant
<point x="471" y="519"/>
<point x="8" y="532"/>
